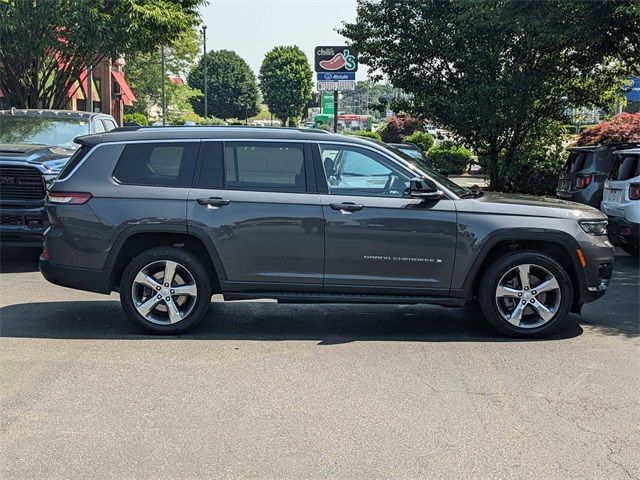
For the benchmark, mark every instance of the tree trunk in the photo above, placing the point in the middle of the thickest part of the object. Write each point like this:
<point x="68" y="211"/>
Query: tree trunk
<point x="494" y="171"/>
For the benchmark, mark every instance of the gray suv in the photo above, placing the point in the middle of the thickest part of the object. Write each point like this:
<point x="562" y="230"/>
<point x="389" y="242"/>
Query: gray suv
<point x="169" y="216"/>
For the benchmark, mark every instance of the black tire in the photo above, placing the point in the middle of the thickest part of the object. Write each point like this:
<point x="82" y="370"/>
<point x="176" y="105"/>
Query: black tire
<point x="195" y="268"/>
<point x="500" y="267"/>
<point x="631" y="250"/>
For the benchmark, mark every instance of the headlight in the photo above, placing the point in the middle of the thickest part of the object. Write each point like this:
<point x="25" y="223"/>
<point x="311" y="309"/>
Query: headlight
<point x="594" y="227"/>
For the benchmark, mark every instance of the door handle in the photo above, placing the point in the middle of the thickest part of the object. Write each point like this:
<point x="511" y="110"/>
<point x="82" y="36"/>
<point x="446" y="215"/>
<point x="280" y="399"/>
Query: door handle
<point x="346" y="207"/>
<point x="214" y="202"/>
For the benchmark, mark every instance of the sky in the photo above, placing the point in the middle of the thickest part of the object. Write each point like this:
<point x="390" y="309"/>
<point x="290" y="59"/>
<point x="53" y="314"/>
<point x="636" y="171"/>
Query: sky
<point x="253" y="27"/>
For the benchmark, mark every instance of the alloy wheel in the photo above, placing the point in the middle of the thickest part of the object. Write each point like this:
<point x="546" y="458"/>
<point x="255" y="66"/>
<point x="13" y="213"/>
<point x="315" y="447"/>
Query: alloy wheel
<point x="164" y="292"/>
<point x="528" y="296"/>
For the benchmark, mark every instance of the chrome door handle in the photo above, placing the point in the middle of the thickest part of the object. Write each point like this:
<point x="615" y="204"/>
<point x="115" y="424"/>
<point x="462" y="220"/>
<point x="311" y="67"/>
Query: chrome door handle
<point x="214" y="202"/>
<point x="346" y="207"/>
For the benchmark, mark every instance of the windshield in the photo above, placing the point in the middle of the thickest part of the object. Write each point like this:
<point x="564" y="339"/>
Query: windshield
<point x="418" y="164"/>
<point x="42" y="131"/>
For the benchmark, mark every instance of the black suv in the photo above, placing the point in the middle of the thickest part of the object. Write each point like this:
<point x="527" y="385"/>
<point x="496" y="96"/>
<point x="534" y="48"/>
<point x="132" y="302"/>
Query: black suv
<point x="34" y="146"/>
<point x="169" y="216"/>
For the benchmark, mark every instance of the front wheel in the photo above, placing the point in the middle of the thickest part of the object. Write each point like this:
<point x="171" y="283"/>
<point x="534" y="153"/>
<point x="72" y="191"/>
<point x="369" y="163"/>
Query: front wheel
<point x="526" y="294"/>
<point x="165" y="290"/>
<point x="631" y="250"/>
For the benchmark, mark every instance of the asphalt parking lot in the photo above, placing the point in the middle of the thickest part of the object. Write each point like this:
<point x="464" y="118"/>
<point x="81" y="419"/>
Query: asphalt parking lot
<point x="262" y="390"/>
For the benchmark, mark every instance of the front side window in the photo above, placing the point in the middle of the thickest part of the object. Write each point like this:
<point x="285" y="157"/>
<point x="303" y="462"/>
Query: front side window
<point x="357" y="171"/>
<point x="264" y="166"/>
<point x="157" y="164"/>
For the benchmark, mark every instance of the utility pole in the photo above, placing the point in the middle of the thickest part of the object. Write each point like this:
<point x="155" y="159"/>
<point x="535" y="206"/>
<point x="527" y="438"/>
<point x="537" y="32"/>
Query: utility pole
<point x="204" y="57"/>
<point x="335" y="111"/>
<point x="164" y="100"/>
<point x="89" y="88"/>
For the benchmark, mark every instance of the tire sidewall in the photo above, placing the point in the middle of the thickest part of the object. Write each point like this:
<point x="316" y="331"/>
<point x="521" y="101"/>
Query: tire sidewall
<point x="191" y="263"/>
<point x="499" y="268"/>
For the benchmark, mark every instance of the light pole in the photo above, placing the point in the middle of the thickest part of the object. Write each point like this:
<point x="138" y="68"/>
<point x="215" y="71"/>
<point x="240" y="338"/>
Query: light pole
<point x="204" y="57"/>
<point x="164" y="100"/>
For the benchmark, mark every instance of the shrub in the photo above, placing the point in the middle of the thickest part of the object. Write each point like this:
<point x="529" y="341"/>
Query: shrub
<point x="536" y="164"/>
<point x="570" y="129"/>
<point x="372" y="135"/>
<point x="399" y="127"/>
<point x="422" y="139"/>
<point x="621" y="128"/>
<point x="135" y="117"/>
<point x="449" y="158"/>
<point x="535" y="171"/>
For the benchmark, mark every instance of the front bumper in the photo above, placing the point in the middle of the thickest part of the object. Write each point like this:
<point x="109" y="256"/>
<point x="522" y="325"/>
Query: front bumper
<point x="622" y="232"/>
<point x="22" y="226"/>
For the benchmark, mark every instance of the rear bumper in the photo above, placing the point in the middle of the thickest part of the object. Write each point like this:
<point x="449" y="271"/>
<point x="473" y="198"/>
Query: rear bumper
<point x="586" y="196"/>
<point x="22" y="226"/>
<point x="79" y="278"/>
<point x="622" y="232"/>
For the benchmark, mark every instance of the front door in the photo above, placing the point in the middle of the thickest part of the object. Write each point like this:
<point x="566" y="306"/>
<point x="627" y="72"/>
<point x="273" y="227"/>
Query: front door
<point x="377" y="239"/>
<point x="255" y="201"/>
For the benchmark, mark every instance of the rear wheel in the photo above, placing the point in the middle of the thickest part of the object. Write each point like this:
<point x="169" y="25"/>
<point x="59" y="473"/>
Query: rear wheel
<point x="165" y="290"/>
<point x="526" y="294"/>
<point x="631" y="250"/>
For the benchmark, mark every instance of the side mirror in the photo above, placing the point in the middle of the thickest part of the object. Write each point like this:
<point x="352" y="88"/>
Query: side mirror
<point x="424" y="189"/>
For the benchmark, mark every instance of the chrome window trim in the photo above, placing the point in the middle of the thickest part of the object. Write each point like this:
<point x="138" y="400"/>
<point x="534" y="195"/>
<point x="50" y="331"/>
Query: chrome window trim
<point x="400" y="163"/>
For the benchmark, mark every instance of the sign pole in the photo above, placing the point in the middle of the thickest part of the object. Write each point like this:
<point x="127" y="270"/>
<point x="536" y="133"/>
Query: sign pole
<point x="335" y="111"/>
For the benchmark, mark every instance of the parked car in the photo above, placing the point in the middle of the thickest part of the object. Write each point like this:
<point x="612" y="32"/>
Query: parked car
<point x="582" y="177"/>
<point x="169" y="216"/>
<point x="622" y="201"/>
<point x="34" y="147"/>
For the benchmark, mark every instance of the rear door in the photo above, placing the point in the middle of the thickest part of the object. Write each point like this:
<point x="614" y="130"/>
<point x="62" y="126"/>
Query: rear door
<point x="257" y="202"/>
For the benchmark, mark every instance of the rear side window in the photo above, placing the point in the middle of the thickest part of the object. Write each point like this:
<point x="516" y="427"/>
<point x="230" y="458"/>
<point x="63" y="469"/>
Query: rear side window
<point x="157" y="164"/>
<point x="73" y="162"/>
<point x="265" y="166"/>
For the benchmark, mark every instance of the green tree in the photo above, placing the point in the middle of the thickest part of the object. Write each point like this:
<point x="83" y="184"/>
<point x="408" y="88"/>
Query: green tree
<point x="286" y="82"/>
<point x="144" y="74"/>
<point x="45" y="45"/>
<point x="493" y="73"/>
<point x="232" y="87"/>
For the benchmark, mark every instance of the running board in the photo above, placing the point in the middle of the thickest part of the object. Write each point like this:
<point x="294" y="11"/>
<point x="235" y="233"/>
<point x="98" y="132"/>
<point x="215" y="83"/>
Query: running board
<point x="307" y="297"/>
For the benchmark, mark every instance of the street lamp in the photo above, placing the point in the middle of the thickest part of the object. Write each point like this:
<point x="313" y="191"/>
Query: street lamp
<point x="204" y="57"/>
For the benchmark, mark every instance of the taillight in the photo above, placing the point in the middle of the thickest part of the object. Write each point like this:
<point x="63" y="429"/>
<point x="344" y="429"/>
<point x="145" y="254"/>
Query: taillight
<point x="67" y="198"/>
<point x="583" y="181"/>
<point x="634" y="191"/>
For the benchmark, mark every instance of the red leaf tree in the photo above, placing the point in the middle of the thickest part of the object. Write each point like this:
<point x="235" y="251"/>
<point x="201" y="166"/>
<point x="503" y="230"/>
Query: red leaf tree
<point x="624" y="127"/>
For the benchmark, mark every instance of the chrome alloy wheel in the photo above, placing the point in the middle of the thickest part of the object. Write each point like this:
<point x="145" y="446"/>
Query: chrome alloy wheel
<point x="528" y="296"/>
<point x="164" y="292"/>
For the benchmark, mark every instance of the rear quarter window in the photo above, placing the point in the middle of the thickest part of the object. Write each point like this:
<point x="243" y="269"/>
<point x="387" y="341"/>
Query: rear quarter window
<point x="73" y="162"/>
<point x="157" y="164"/>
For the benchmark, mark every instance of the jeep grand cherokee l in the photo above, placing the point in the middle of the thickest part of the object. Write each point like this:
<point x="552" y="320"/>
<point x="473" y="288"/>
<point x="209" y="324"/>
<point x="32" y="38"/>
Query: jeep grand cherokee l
<point x="34" y="146"/>
<point x="169" y="216"/>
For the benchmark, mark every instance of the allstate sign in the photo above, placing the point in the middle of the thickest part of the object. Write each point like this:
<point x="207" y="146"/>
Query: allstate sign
<point x="335" y="77"/>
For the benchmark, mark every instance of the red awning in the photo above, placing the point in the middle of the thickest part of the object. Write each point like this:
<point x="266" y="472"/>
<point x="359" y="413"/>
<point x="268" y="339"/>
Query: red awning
<point x="127" y="95"/>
